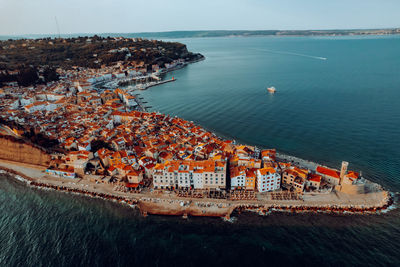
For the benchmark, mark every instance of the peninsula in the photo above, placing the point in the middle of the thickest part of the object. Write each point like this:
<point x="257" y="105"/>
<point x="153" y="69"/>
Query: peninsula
<point x="71" y="119"/>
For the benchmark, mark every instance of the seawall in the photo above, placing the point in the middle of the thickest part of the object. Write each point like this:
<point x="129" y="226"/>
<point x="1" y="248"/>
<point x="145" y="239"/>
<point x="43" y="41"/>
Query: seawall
<point x="177" y="206"/>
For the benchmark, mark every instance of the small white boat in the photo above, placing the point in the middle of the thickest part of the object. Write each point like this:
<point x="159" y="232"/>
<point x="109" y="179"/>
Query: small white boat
<point x="271" y="89"/>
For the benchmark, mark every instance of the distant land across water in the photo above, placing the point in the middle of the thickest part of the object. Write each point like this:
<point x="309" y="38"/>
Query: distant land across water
<point x="337" y="99"/>
<point x="219" y="33"/>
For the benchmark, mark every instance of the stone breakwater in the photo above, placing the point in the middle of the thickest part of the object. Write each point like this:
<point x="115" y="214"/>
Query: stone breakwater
<point x="85" y="192"/>
<point x="208" y="207"/>
<point x="29" y="181"/>
<point x="185" y="207"/>
<point x="225" y="209"/>
<point x="337" y="209"/>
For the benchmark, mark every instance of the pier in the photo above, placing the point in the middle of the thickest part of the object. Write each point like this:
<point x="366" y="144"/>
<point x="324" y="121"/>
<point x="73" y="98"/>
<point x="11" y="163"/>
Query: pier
<point x="161" y="82"/>
<point x="140" y="104"/>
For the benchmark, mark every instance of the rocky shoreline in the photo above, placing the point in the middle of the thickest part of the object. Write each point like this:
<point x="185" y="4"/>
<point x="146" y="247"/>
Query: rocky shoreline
<point x="208" y="208"/>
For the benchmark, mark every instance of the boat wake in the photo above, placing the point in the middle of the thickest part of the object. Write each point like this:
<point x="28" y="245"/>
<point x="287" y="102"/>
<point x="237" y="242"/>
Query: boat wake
<point x="290" y="53"/>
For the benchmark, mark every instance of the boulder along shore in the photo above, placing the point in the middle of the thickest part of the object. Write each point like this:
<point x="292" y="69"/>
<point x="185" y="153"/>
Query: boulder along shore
<point x="150" y="203"/>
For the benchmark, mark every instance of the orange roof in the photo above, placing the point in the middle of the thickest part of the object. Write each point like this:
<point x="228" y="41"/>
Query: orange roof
<point x="131" y="185"/>
<point x="250" y="173"/>
<point x="315" y="178"/>
<point x="353" y="175"/>
<point x="264" y="171"/>
<point x="268" y="152"/>
<point x="328" y="172"/>
<point x="220" y="163"/>
<point x="134" y="173"/>
<point x="159" y="167"/>
<point x="237" y="171"/>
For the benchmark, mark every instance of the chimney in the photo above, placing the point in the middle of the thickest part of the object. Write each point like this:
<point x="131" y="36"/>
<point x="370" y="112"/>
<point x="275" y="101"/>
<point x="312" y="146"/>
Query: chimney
<point x="343" y="171"/>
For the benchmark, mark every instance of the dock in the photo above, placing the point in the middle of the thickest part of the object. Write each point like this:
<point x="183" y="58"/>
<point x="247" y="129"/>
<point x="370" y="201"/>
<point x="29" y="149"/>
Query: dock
<point x="158" y="83"/>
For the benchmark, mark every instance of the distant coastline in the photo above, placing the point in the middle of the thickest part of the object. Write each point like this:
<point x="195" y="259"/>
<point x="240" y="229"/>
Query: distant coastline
<point x="220" y="33"/>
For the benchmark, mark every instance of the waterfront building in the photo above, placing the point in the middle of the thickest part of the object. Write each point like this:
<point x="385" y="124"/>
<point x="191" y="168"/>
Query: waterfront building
<point x="347" y="177"/>
<point x="268" y="155"/>
<point x="135" y="176"/>
<point x="343" y="171"/>
<point x="251" y="179"/>
<point x="295" y="178"/>
<point x="205" y="174"/>
<point x="335" y="177"/>
<point x="350" y="177"/>
<point x="268" y="179"/>
<point x="314" y="180"/>
<point x="291" y="178"/>
<point x="330" y="175"/>
<point x="238" y="177"/>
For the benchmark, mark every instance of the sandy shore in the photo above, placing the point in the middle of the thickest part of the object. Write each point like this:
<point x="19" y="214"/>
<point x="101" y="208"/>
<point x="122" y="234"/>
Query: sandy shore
<point x="169" y="204"/>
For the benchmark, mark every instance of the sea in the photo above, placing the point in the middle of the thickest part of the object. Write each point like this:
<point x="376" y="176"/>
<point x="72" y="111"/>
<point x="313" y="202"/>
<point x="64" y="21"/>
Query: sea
<point x="337" y="98"/>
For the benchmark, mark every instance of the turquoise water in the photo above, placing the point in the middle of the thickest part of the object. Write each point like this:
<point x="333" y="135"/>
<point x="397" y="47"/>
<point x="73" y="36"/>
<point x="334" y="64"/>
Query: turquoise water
<point x="343" y="108"/>
<point x="346" y="107"/>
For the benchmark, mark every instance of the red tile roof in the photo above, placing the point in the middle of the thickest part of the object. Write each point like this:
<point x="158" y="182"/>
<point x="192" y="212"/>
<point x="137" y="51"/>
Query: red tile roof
<point x="328" y="172"/>
<point x="315" y="178"/>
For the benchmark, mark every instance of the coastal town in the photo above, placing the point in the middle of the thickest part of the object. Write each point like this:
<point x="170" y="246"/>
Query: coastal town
<point x="94" y="127"/>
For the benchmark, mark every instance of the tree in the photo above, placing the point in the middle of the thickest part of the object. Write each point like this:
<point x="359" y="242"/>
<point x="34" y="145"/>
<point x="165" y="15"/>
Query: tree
<point x="98" y="144"/>
<point x="50" y="75"/>
<point x="27" y="76"/>
<point x="89" y="168"/>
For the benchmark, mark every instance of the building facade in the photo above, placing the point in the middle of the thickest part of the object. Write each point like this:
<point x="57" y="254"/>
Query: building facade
<point x="206" y="174"/>
<point x="268" y="179"/>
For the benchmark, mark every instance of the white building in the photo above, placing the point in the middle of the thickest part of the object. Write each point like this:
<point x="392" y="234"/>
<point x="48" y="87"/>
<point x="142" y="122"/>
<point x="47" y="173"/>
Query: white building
<point x="238" y="177"/>
<point x="36" y="106"/>
<point x="26" y="101"/>
<point x="207" y="174"/>
<point x="268" y="179"/>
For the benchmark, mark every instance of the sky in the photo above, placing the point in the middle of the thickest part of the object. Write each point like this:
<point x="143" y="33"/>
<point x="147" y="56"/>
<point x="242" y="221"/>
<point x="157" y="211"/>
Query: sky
<point x="123" y="16"/>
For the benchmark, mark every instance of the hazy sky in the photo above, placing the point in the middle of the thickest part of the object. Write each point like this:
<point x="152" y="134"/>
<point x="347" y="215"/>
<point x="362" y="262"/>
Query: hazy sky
<point x="99" y="16"/>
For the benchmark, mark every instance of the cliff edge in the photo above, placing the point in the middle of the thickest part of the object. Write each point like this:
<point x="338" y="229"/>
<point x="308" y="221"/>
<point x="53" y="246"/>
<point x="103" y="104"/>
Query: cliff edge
<point x="14" y="149"/>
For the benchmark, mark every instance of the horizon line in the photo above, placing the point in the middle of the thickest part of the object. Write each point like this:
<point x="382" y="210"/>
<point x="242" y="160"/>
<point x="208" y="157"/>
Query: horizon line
<point x="174" y="31"/>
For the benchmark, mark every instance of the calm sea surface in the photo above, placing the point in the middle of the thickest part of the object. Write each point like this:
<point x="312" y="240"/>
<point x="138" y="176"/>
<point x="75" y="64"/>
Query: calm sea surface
<point x="337" y="99"/>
